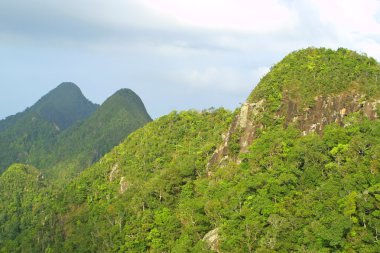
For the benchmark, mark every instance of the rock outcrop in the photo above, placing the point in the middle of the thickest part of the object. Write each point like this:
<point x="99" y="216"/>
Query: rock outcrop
<point x="324" y="111"/>
<point x="212" y="239"/>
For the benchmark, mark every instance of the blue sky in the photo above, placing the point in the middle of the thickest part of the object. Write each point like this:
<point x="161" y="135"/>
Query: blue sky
<point x="175" y="54"/>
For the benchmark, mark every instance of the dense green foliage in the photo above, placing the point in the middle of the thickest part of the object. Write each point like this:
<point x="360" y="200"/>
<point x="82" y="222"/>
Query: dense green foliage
<point x="26" y="217"/>
<point x="301" y="193"/>
<point x="146" y="178"/>
<point x="154" y="192"/>
<point x="291" y="192"/>
<point x="133" y="199"/>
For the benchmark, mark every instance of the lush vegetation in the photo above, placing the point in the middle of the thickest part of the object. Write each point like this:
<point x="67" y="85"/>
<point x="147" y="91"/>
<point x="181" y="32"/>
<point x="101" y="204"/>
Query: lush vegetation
<point x="301" y="193"/>
<point x="151" y="193"/>
<point x="155" y="193"/>
<point x="291" y="193"/>
<point x="133" y="199"/>
<point x="26" y="210"/>
<point x="141" y="179"/>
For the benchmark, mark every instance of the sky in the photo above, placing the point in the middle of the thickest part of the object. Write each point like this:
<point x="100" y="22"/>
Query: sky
<point x="175" y="54"/>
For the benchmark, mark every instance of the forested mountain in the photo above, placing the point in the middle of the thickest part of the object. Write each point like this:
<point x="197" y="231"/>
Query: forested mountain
<point x="33" y="132"/>
<point x="64" y="133"/>
<point x="64" y="106"/>
<point x="61" y="107"/>
<point x="296" y="168"/>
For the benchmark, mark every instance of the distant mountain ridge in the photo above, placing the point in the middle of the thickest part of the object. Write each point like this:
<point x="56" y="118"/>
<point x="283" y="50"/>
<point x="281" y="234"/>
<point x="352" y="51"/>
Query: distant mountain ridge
<point x="65" y="105"/>
<point x="86" y="142"/>
<point x="62" y="106"/>
<point x="64" y="124"/>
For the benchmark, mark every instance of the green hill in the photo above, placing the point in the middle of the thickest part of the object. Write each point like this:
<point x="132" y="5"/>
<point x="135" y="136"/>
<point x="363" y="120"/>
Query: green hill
<point x="295" y="169"/>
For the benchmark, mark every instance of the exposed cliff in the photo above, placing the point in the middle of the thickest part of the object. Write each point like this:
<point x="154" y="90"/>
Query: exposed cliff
<point x="308" y="89"/>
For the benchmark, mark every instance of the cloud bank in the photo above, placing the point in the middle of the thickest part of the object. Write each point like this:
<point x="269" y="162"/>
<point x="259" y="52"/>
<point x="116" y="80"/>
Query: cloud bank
<point x="176" y="54"/>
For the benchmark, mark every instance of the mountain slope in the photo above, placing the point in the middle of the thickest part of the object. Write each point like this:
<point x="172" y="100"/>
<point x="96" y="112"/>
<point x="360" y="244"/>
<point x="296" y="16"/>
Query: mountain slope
<point x="143" y="179"/>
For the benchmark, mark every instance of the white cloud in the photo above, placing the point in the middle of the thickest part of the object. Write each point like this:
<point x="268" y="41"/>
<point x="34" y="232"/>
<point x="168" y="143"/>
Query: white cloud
<point x="259" y="73"/>
<point x="222" y="79"/>
<point x="370" y="47"/>
<point x="354" y="23"/>
<point x="238" y="15"/>
<point x="212" y="78"/>
<point x="350" y="17"/>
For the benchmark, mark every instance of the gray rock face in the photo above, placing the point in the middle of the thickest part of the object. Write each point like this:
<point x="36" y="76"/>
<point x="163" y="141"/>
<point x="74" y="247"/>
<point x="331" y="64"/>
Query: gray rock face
<point x="212" y="239"/>
<point x="325" y="110"/>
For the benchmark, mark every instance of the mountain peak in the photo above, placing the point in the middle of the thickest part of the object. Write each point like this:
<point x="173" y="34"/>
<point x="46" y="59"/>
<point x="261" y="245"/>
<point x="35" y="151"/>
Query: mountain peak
<point x="64" y="105"/>
<point x="124" y="91"/>
<point x="126" y="99"/>
<point x="68" y="84"/>
<point x="311" y="72"/>
<point x="67" y="87"/>
<point x="63" y="90"/>
<point x="309" y="89"/>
